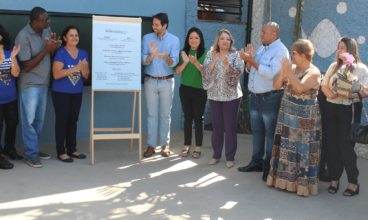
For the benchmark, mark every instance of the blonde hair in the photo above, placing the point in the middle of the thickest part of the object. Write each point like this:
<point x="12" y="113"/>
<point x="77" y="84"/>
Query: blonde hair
<point x="215" y="46"/>
<point x="303" y="46"/>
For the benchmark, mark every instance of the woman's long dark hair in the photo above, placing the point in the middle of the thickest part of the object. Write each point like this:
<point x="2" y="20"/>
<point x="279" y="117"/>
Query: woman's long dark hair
<point x="6" y="41"/>
<point x="200" y="49"/>
<point x="352" y="48"/>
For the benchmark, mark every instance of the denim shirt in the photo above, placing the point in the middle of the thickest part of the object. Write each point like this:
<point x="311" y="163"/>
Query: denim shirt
<point x="269" y="59"/>
<point x="159" y="67"/>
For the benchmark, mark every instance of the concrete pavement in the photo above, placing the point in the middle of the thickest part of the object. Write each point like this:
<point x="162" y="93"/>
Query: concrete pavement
<point x="118" y="187"/>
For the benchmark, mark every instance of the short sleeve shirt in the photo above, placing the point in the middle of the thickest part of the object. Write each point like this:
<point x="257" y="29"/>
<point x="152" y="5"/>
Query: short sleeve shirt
<point x="8" y="91"/>
<point x="72" y="83"/>
<point x="31" y="45"/>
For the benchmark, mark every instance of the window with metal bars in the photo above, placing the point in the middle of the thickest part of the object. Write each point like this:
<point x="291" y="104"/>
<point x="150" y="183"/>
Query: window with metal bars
<point x="220" y="10"/>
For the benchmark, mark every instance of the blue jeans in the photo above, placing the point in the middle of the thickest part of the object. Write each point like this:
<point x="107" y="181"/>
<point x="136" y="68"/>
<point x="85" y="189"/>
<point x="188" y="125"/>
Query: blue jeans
<point x="159" y="98"/>
<point x="32" y="112"/>
<point x="263" y="119"/>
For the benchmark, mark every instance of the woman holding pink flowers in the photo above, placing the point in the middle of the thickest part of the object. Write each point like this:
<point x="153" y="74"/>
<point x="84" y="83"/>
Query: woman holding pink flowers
<point x="341" y="152"/>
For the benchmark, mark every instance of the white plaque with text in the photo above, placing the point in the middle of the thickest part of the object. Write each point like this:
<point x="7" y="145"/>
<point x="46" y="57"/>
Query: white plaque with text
<point x="116" y="53"/>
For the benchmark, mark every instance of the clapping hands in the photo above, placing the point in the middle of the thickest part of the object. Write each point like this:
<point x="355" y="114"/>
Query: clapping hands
<point x="286" y="67"/>
<point x="52" y="43"/>
<point x="154" y="51"/>
<point x="81" y="64"/>
<point x="185" y="57"/>
<point x="247" y="53"/>
<point x="2" y="55"/>
<point x="193" y="59"/>
<point x="215" y="56"/>
<point x="15" y="51"/>
<point x="225" y="60"/>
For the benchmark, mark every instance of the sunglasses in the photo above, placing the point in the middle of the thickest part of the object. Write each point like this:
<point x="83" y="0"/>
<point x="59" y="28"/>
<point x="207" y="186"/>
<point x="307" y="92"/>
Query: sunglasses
<point x="46" y="20"/>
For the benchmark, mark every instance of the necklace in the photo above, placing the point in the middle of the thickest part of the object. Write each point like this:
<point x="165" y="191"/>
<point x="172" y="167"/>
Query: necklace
<point x="302" y="71"/>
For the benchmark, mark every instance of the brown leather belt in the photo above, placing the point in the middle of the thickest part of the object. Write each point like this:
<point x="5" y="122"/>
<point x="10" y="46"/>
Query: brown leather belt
<point x="160" y="77"/>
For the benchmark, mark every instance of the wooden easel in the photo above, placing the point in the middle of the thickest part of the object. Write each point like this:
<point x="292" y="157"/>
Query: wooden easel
<point x="130" y="136"/>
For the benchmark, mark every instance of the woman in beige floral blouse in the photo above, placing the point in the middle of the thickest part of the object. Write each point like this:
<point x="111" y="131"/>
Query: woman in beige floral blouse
<point x="221" y="72"/>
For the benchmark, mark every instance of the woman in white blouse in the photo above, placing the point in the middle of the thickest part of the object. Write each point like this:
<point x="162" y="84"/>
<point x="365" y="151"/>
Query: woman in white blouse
<point x="221" y="72"/>
<point x="339" y="111"/>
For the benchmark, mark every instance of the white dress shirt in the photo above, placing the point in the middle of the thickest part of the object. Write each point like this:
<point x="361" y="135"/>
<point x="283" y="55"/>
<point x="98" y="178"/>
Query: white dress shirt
<point x="269" y="59"/>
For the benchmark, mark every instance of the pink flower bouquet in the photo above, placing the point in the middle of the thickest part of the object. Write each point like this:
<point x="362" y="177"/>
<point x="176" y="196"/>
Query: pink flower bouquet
<point x="343" y="83"/>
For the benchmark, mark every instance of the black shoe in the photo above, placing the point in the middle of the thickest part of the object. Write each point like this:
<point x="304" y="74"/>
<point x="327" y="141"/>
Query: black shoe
<point x="351" y="192"/>
<point x="80" y="156"/>
<point x="250" y="168"/>
<point x="334" y="189"/>
<point x="266" y="171"/>
<point x="4" y="164"/>
<point x="67" y="160"/>
<point x="12" y="154"/>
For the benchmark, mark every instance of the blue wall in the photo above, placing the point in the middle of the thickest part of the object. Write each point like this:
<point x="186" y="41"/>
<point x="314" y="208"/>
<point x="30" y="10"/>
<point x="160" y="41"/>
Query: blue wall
<point x="111" y="109"/>
<point x="115" y="109"/>
<point x="353" y="24"/>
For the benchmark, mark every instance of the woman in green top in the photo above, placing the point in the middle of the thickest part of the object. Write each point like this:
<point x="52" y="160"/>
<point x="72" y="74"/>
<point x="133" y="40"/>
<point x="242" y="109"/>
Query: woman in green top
<point x="192" y="95"/>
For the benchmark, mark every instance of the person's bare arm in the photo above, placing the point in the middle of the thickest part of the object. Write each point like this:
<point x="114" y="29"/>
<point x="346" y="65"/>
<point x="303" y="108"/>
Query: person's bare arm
<point x="181" y="68"/>
<point x="279" y="81"/>
<point x="85" y="71"/>
<point x="51" y="46"/>
<point x="15" y="70"/>
<point x="193" y="59"/>
<point x="59" y="71"/>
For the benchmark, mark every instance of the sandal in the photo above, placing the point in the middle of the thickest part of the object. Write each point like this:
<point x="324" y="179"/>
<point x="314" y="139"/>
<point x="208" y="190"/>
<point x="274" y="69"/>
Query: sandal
<point x="185" y="153"/>
<point x="197" y="154"/>
<point x="351" y="192"/>
<point x="334" y="189"/>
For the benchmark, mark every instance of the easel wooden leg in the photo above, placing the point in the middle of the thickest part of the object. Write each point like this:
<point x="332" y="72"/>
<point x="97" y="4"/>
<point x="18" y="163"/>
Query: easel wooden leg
<point x="140" y="127"/>
<point x="91" y="141"/>
<point x="134" y="102"/>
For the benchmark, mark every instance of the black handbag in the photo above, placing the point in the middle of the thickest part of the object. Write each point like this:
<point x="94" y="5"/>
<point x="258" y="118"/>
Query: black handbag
<point x="358" y="133"/>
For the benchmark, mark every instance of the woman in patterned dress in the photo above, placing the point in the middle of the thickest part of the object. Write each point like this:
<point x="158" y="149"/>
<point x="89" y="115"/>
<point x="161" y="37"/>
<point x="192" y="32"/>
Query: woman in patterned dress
<point x="221" y="73"/>
<point x="297" y="142"/>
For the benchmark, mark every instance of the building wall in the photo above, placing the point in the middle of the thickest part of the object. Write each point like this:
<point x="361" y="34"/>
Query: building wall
<point x="324" y="23"/>
<point x="111" y="109"/>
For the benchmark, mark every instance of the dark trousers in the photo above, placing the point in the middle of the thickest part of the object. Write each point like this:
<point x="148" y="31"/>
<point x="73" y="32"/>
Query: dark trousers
<point x="324" y="148"/>
<point x="193" y="102"/>
<point x="67" y="107"/>
<point x="224" y="118"/>
<point x="9" y="114"/>
<point x="341" y="152"/>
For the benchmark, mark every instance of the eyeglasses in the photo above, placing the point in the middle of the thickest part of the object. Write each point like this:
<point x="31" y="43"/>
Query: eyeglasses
<point x="46" y="20"/>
